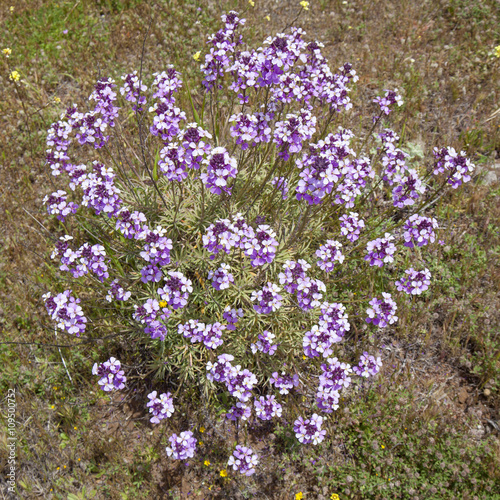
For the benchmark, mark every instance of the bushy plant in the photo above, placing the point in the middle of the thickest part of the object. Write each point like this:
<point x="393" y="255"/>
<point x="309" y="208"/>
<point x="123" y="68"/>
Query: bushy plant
<point x="225" y="242"/>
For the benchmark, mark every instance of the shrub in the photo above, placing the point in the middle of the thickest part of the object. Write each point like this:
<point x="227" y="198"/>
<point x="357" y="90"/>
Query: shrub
<point x="224" y="242"/>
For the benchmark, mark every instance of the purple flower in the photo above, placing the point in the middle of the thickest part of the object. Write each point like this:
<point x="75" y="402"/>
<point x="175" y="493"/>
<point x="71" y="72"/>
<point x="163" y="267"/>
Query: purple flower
<point x="221" y="278"/>
<point x="112" y="377"/>
<point x="380" y="251"/>
<point x="329" y="254"/>
<point x="232" y="316"/>
<point x="268" y="299"/>
<point x="267" y="408"/>
<point x="368" y="365"/>
<point x="309" y="293"/>
<point x="176" y="290"/>
<point x="132" y="87"/>
<point x="260" y="245"/>
<point x="391" y="97"/>
<point x="408" y="189"/>
<point x="116" y="292"/>
<point x="57" y="205"/>
<point x="265" y="343"/>
<point x="456" y="165"/>
<point x="309" y="431"/>
<point x="290" y="134"/>
<point x="415" y="283"/>
<point x="282" y="184"/>
<point x="65" y="311"/>
<point x="419" y="230"/>
<point x="351" y="225"/>
<point x="284" y="382"/>
<point x="182" y="446"/>
<point x="243" y="460"/>
<point x="382" y="311"/>
<point x="161" y="407"/>
<point x="239" y="411"/>
<point x="292" y="271"/>
<point x="220" y="167"/>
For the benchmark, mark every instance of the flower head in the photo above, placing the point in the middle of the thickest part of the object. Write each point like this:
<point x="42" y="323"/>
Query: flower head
<point x="304" y="5"/>
<point x="14" y="76"/>
<point x="7" y="52"/>
<point x="497" y="51"/>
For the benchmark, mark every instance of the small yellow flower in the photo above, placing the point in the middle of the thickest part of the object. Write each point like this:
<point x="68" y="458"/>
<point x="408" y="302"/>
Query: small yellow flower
<point x="11" y="8"/>
<point x="335" y="496"/>
<point x="52" y="406"/>
<point x="268" y="18"/>
<point x="163" y="303"/>
<point x="197" y="55"/>
<point x="497" y="51"/>
<point x="14" y="76"/>
<point x="57" y="100"/>
<point x="252" y="3"/>
<point x="79" y="459"/>
<point x="200" y="443"/>
<point x="299" y="495"/>
<point x="64" y="466"/>
<point x="305" y="6"/>
<point x="206" y="462"/>
<point x="58" y="468"/>
<point x="202" y="429"/>
<point x="223" y="473"/>
<point x="7" y="52"/>
<point x="303" y="356"/>
<point x="75" y="428"/>
<point x="382" y="446"/>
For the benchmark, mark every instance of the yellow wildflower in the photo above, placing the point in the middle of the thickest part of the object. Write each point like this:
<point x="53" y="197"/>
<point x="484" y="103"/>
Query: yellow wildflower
<point x="299" y="495"/>
<point x="206" y="462"/>
<point x="57" y="100"/>
<point x="163" y="303"/>
<point x="305" y="6"/>
<point x="11" y="8"/>
<point x="268" y="18"/>
<point x="202" y="429"/>
<point x="497" y="51"/>
<point x="7" y="52"/>
<point x="14" y="76"/>
<point x="252" y="3"/>
<point x="223" y="473"/>
<point x="196" y="56"/>
<point x="335" y="496"/>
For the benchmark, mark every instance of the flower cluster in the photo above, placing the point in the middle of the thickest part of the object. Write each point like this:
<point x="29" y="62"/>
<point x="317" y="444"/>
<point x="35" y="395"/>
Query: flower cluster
<point x="309" y="430"/>
<point x="309" y="293"/>
<point x="285" y="383"/>
<point x="391" y="97"/>
<point x="334" y="377"/>
<point x="238" y="381"/>
<point x="328" y="254"/>
<point x="221" y="278"/>
<point x="292" y="272"/>
<point x="267" y="407"/>
<point x="116" y="292"/>
<point x="408" y="189"/>
<point x="268" y="299"/>
<point x="382" y="311"/>
<point x="64" y="309"/>
<point x="209" y="334"/>
<point x="160" y="406"/>
<point x="265" y="343"/>
<point x="456" y="165"/>
<point x="182" y="446"/>
<point x="220" y="167"/>
<point x="415" y="282"/>
<point x="380" y="251"/>
<point x="82" y="261"/>
<point x="232" y="316"/>
<point x="351" y="225"/>
<point x="282" y="184"/>
<point x="290" y="134"/>
<point x="419" y="230"/>
<point x="261" y="245"/>
<point x="112" y="376"/>
<point x="368" y="366"/>
<point x="132" y="88"/>
<point x="240" y="411"/>
<point x="176" y="290"/>
<point x="57" y="205"/>
<point x="243" y="460"/>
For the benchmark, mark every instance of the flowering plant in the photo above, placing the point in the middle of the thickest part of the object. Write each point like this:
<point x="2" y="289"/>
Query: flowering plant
<point x="220" y="237"/>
